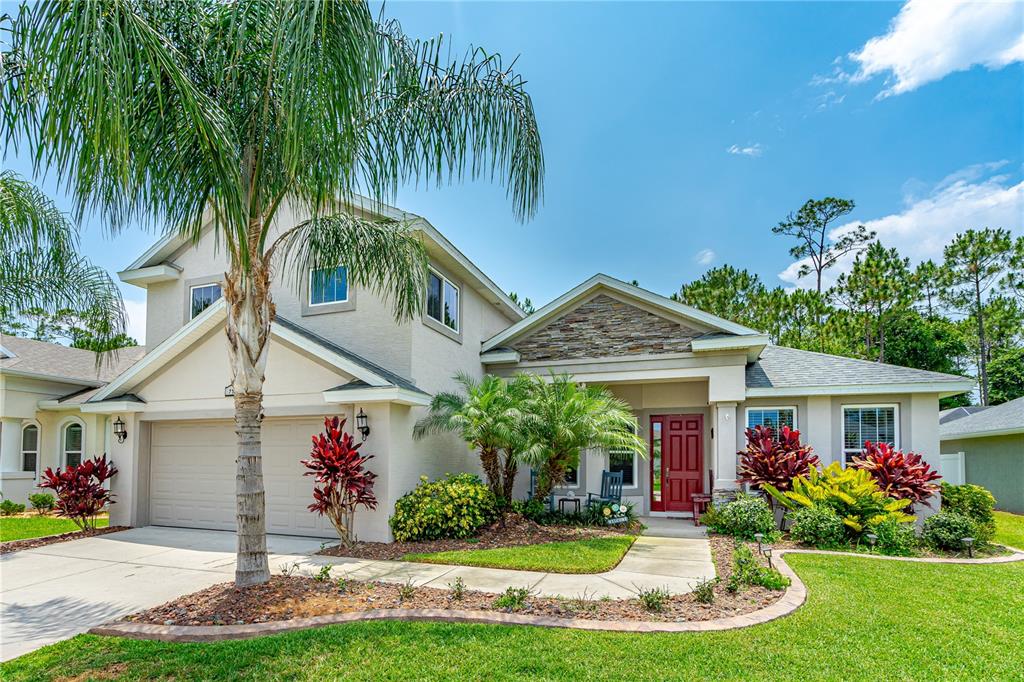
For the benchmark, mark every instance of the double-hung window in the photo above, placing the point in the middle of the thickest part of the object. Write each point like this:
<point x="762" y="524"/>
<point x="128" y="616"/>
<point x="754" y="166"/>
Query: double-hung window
<point x="875" y="423"/>
<point x="624" y="461"/>
<point x="29" y="447"/>
<point x="773" y="417"/>
<point x="443" y="300"/>
<point x="328" y="285"/>
<point x="72" y="444"/>
<point x="202" y="297"/>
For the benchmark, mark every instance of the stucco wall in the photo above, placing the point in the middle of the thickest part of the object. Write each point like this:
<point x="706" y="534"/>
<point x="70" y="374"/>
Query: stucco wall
<point x="996" y="463"/>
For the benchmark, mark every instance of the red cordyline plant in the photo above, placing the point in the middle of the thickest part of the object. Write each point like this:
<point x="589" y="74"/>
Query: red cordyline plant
<point x="342" y="482"/>
<point x="79" y="490"/>
<point x="775" y="459"/>
<point x="903" y="476"/>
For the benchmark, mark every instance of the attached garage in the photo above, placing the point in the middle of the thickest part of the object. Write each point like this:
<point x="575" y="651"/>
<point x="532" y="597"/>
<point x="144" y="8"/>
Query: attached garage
<point x="192" y="469"/>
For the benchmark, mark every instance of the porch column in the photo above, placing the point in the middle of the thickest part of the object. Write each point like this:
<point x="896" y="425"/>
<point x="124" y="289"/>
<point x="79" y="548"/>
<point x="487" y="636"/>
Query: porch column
<point x="725" y="449"/>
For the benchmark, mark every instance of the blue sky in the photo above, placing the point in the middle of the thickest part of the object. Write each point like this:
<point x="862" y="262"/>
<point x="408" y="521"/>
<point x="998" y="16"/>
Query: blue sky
<point x="676" y="135"/>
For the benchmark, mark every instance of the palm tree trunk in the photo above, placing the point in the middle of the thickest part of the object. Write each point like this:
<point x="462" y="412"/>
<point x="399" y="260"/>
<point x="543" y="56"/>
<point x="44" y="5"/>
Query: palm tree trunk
<point x="250" y="312"/>
<point x="550" y="476"/>
<point x="508" y="480"/>
<point x="492" y="469"/>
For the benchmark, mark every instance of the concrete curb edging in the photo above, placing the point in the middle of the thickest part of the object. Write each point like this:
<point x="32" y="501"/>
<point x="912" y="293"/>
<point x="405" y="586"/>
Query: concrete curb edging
<point x="794" y="597"/>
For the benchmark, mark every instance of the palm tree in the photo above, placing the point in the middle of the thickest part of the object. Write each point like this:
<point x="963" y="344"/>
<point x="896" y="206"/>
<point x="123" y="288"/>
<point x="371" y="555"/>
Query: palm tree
<point x="40" y="268"/>
<point x="563" y="418"/>
<point x="486" y="414"/>
<point x="231" y="116"/>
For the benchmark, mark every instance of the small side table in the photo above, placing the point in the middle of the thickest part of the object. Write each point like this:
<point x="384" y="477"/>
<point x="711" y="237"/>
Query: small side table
<point x="700" y="504"/>
<point x="574" y="501"/>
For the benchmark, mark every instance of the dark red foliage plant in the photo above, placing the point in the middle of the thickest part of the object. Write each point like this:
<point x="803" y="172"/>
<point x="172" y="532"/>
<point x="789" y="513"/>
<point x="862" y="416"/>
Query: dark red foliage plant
<point x="903" y="476"/>
<point x="342" y="481"/>
<point x="775" y="459"/>
<point x="79" y="490"/>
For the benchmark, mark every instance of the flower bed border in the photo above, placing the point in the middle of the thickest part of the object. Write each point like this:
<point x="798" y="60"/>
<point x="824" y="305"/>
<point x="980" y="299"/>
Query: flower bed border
<point x="44" y="540"/>
<point x="794" y="597"/>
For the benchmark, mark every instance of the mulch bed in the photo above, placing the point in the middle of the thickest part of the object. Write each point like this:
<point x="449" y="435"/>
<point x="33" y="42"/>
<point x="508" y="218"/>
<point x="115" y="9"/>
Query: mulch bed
<point x="32" y="543"/>
<point x="287" y="597"/>
<point x="516" y="532"/>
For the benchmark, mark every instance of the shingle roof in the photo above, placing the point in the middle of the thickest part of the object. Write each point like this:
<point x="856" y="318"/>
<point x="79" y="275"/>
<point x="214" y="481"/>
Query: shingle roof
<point x="1005" y="418"/>
<point x="959" y="412"/>
<point x="61" y="362"/>
<point x="781" y="367"/>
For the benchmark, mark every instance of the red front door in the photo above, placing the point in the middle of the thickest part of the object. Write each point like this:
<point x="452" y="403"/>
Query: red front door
<point x="682" y="460"/>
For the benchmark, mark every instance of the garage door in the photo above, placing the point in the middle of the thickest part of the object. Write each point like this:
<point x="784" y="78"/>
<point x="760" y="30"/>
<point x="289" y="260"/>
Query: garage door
<point x="192" y="481"/>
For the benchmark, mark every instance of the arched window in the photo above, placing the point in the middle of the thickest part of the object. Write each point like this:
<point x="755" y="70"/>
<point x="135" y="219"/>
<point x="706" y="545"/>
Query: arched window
<point x="29" y="447"/>
<point x="73" y="444"/>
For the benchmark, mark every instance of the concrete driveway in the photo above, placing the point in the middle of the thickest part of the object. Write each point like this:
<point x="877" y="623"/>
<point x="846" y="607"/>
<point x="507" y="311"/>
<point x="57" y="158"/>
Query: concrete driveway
<point x="55" y="592"/>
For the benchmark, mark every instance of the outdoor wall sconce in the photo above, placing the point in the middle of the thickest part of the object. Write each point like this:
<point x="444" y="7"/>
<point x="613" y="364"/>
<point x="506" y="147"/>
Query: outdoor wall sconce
<point x="362" y="423"/>
<point x="119" y="430"/>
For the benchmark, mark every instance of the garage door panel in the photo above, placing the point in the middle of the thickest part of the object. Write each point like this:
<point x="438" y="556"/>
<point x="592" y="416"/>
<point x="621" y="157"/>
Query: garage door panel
<point x="193" y="476"/>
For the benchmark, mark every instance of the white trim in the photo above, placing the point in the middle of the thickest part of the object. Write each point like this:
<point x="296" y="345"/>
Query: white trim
<point x="112" y="406"/>
<point x="458" y="293"/>
<point x="943" y="388"/>
<point x="843" y="450"/>
<point x="54" y="405"/>
<point x="51" y="377"/>
<point x="602" y="281"/>
<point x="203" y="285"/>
<point x="500" y="357"/>
<point x="752" y="343"/>
<point x="746" y="413"/>
<point x="309" y="288"/>
<point x="140" y="277"/>
<point x="1010" y="431"/>
<point x="29" y="423"/>
<point x="377" y="394"/>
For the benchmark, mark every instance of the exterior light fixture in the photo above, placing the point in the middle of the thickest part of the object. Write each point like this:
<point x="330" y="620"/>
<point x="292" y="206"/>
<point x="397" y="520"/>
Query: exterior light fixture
<point x="120" y="432"/>
<point x="362" y="423"/>
<point x="229" y="391"/>
<point x="767" y="551"/>
<point x="759" y="537"/>
<point x="969" y="544"/>
<point x="872" y="539"/>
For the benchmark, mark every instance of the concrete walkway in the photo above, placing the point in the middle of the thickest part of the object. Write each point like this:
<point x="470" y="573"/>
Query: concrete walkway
<point x="658" y="558"/>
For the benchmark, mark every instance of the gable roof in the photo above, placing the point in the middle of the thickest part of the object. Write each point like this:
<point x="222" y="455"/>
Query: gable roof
<point x="602" y="282"/>
<point x="995" y="420"/>
<point x="959" y="412"/>
<point x="789" y="371"/>
<point x="43" y="360"/>
<point x="284" y="330"/>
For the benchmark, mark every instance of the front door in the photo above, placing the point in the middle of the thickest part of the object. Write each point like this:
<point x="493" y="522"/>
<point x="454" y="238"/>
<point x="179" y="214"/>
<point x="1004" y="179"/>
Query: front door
<point x="679" y="454"/>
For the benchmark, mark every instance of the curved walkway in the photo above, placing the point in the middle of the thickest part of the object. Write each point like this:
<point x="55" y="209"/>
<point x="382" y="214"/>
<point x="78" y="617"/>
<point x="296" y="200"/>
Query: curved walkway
<point x="793" y="598"/>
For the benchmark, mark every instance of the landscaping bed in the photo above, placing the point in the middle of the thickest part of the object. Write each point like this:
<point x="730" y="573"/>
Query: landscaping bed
<point x="289" y="597"/>
<point x="516" y="531"/>
<point x="31" y="543"/>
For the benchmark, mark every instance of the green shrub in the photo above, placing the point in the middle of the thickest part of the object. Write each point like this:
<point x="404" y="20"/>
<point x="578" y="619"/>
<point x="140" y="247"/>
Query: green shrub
<point x="452" y="507"/>
<point x="42" y="502"/>
<point x="975" y="502"/>
<point x="817" y="526"/>
<point x="748" y="571"/>
<point x="653" y="598"/>
<point x="10" y="507"/>
<point x="946" y="530"/>
<point x="894" y="537"/>
<point x="512" y="599"/>
<point x="704" y="591"/>
<point x="743" y="517"/>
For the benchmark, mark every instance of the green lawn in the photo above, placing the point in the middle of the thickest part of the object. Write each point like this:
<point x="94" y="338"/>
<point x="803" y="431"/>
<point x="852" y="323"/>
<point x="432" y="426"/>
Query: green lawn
<point x="594" y="555"/>
<point x="23" y="527"/>
<point x="1010" y="529"/>
<point x="864" y="619"/>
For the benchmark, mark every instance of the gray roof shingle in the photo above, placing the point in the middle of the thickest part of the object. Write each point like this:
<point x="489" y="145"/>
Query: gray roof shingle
<point x="61" y="362"/>
<point x="781" y="367"/>
<point x="1008" y="417"/>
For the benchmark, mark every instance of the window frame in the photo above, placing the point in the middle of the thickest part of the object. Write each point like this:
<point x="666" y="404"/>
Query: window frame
<point x="746" y="414"/>
<point x="192" y="286"/>
<point x="64" y="441"/>
<point x="309" y="288"/>
<point x="860" y="406"/>
<point x="635" y="485"/>
<point x="439" y="325"/>
<point x="24" y="427"/>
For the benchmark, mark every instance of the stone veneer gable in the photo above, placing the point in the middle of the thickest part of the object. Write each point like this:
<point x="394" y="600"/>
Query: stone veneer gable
<point x="605" y="327"/>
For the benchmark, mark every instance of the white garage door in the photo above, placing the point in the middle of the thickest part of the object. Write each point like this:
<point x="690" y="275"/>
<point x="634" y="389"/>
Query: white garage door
<point x="193" y="476"/>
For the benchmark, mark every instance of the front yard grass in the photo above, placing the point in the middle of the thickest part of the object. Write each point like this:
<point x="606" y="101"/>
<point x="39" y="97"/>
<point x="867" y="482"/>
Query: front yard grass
<point x="1009" y="529"/>
<point x="36" y="526"/>
<point x="593" y="555"/>
<point x="864" y="619"/>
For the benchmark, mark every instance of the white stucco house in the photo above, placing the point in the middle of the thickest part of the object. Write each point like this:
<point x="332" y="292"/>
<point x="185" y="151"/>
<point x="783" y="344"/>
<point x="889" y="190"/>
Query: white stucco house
<point x="695" y="381"/>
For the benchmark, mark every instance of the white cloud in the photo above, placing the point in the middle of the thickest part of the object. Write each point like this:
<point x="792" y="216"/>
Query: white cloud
<point x="930" y="39"/>
<point x="704" y="256"/>
<point x="970" y="198"/>
<point x="136" y="311"/>
<point x="750" y="150"/>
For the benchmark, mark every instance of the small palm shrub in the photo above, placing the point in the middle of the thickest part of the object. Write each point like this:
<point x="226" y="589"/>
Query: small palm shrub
<point x="774" y="458"/>
<point x="894" y="538"/>
<point x="947" y="529"/>
<point x="903" y="476"/>
<point x="975" y="502"/>
<point x="743" y="517"/>
<point x="817" y="526"/>
<point x="10" y="508"/>
<point x="852" y="493"/>
<point x="80" y="491"/>
<point x="42" y="502"/>
<point x="452" y="507"/>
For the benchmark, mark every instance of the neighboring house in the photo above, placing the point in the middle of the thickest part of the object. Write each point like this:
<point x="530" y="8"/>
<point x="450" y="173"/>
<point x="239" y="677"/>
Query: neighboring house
<point x="985" y="446"/>
<point x="694" y="380"/>
<point x="42" y="423"/>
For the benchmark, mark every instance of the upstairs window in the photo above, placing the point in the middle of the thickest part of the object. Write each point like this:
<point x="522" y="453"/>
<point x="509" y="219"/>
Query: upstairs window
<point x="29" y="448"/>
<point x="876" y="423"/>
<point x="203" y="296"/>
<point x="328" y="285"/>
<point x="73" y="445"/>
<point x="773" y="417"/>
<point x="443" y="300"/>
